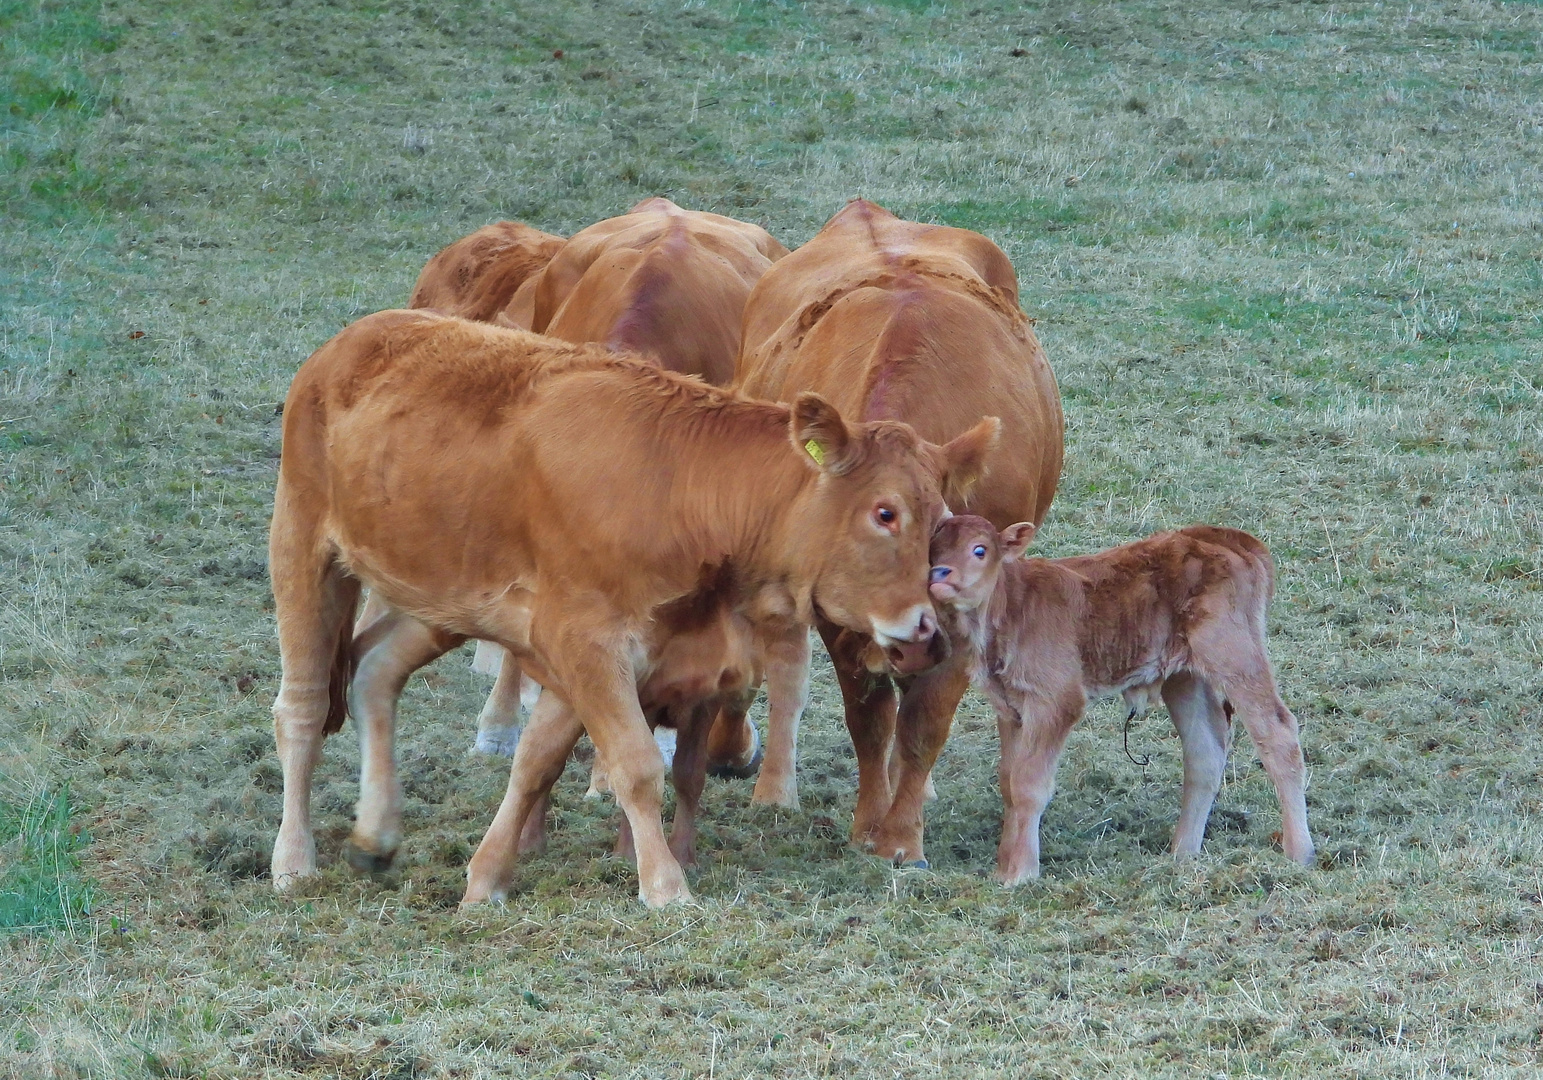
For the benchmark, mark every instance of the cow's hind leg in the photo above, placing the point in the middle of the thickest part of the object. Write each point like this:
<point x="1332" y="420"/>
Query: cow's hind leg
<point x="1206" y="733"/>
<point x="314" y="600"/>
<point x="386" y="653"/>
<point x="549" y="738"/>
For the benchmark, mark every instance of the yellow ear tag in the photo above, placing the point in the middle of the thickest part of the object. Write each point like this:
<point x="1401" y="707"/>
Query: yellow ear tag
<point x="816" y="451"/>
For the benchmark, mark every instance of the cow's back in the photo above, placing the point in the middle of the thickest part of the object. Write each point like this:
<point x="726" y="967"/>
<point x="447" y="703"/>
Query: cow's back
<point x="660" y="281"/>
<point x="891" y="319"/>
<point x="477" y="276"/>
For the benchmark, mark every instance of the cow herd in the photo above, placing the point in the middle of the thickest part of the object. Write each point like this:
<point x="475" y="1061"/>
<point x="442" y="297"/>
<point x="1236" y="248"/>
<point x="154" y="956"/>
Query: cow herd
<point x="640" y="464"/>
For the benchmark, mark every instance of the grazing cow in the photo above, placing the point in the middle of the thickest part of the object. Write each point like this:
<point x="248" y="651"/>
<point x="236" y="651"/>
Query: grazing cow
<point x="1180" y="614"/>
<point x="551" y="498"/>
<point x="890" y="319"/>
<point x="478" y="276"/>
<point x="666" y="283"/>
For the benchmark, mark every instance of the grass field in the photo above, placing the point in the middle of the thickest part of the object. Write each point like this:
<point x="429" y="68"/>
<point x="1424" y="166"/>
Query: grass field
<point x="1285" y="258"/>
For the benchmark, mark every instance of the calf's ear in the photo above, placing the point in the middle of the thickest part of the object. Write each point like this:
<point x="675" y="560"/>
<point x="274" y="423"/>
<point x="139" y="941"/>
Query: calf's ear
<point x="1015" y="539"/>
<point x="965" y="461"/>
<point x="822" y="435"/>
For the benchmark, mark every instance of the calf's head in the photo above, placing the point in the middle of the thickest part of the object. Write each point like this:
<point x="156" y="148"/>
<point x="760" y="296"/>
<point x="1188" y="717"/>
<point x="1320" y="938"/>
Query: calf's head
<point x="882" y="490"/>
<point x="967" y="556"/>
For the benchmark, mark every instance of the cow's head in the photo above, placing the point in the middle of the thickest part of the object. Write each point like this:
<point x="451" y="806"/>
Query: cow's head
<point x="880" y="495"/>
<point x="967" y="556"/>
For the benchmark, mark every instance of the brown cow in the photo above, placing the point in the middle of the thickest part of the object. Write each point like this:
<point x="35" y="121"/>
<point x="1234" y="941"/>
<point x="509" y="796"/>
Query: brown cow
<point x="666" y="283"/>
<point x="477" y="276"/>
<point x="496" y="484"/>
<point x="895" y="320"/>
<point x="1180" y="614"/>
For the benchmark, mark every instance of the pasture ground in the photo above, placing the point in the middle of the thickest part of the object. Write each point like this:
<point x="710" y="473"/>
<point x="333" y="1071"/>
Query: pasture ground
<point x="1285" y="262"/>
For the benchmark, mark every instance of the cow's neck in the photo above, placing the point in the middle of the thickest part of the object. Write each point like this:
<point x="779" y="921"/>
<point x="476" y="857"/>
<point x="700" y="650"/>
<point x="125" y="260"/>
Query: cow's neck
<point x="758" y="519"/>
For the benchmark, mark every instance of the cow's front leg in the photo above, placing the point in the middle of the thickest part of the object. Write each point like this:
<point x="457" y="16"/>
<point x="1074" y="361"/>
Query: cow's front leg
<point x="926" y="716"/>
<point x="538" y="762"/>
<point x="600" y="684"/>
<point x="869" y="700"/>
<point x="787" y="693"/>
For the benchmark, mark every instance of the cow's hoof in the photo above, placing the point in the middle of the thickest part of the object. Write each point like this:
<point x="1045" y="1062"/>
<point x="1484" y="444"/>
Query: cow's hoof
<point x="497" y="742"/>
<point x="367" y="862"/>
<point x="734" y="770"/>
<point x="914" y="864"/>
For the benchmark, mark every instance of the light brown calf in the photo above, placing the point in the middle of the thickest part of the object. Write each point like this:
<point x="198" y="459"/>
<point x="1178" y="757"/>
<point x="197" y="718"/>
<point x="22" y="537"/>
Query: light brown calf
<point x="896" y="320"/>
<point x="551" y="498"/>
<point x="477" y="276"/>
<point x="1180" y="614"/>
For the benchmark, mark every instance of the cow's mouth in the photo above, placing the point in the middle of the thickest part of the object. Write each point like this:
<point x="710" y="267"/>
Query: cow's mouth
<point x="915" y="657"/>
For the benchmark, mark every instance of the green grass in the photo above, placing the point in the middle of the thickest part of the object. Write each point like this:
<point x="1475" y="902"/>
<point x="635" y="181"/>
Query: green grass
<point x="40" y="885"/>
<point x="1284" y="262"/>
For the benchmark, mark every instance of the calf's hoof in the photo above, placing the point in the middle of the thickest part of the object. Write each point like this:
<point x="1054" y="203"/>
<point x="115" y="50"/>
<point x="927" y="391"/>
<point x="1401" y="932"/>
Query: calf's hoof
<point x="743" y="768"/>
<point x="914" y="864"/>
<point x="367" y="862"/>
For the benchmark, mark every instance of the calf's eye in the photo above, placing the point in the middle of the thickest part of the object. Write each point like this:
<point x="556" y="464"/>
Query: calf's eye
<point x="979" y="552"/>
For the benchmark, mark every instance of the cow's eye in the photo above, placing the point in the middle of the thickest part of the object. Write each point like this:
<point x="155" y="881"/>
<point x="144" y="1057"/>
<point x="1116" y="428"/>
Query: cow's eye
<point x="885" y="516"/>
<point x="980" y="551"/>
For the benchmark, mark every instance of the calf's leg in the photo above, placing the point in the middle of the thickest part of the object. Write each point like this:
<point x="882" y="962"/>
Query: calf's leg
<point x="1206" y="733"/>
<point x="1033" y="737"/>
<point x="389" y="650"/>
<point x="1274" y="731"/>
<point x="1229" y="652"/>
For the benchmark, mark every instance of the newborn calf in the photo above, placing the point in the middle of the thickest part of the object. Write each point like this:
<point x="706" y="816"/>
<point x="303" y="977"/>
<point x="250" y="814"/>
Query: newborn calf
<point x="1180" y="614"/>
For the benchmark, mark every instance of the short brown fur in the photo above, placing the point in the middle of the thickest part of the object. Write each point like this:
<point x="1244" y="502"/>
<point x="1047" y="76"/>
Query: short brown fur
<point x="1181" y="614"/>
<point x="477" y="276"/>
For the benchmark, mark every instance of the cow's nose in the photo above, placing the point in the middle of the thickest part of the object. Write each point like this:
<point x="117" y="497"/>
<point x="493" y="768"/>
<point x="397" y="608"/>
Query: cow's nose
<point x="926" y="627"/>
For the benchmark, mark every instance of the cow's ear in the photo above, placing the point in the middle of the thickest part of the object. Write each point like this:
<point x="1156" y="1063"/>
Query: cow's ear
<point x="1015" y="539"/>
<point x="821" y="434"/>
<point x="965" y="460"/>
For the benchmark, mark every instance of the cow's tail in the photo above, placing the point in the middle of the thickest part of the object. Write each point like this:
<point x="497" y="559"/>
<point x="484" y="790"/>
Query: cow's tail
<point x="343" y="659"/>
